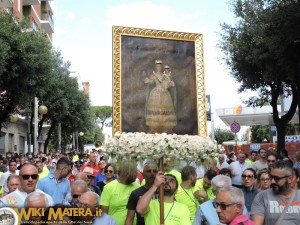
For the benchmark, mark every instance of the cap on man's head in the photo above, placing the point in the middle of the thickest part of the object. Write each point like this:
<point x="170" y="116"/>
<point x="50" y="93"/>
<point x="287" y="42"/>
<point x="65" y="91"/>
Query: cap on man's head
<point x="88" y="170"/>
<point x="158" y="61"/>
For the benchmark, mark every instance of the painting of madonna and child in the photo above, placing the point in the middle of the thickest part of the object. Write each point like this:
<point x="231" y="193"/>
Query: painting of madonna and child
<point x="158" y="86"/>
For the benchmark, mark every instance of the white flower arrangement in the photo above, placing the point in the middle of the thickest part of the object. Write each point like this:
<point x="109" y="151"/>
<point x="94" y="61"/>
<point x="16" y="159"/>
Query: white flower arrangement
<point x="155" y="146"/>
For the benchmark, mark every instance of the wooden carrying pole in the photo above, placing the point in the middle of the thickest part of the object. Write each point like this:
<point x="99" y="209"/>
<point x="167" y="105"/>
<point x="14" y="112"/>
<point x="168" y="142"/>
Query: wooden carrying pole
<point x="161" y="194"/>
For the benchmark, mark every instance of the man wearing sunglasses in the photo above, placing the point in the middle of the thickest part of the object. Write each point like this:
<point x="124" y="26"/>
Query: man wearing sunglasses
<point x="28" y="180"/>
<point x="78" y="188"/>
<point x="229" y="206"/>
<point x="269" y="205"/>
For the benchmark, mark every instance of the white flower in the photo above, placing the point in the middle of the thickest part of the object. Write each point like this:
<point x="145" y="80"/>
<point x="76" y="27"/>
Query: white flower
<point x="154" y="146"/>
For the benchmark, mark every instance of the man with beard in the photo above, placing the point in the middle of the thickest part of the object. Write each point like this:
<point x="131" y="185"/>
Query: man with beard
<point x="262" y="162"/>
<point x="56" y="184"/>
<point x="175" y="213"/>
<point x="187" y="190"/>
<point x="268" y="206"/>
<point x="149" y="172"/>
<point x="116" y="193"/>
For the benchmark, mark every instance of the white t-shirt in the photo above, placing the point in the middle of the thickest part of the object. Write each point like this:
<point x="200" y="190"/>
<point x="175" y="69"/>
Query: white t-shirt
<point x="257" y="166"/>
<point x="237" y="170"/>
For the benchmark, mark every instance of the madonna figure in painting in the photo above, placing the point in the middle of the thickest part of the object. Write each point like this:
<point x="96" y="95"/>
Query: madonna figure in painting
<point x="160" y="100"/>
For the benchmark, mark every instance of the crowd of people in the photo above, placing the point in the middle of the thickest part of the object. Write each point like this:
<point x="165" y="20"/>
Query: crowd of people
<point x="256" y="189"/>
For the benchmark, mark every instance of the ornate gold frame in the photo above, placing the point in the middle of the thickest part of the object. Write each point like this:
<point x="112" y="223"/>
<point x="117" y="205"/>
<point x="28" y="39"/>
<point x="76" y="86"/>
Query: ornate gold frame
<point x="119" y="31"/>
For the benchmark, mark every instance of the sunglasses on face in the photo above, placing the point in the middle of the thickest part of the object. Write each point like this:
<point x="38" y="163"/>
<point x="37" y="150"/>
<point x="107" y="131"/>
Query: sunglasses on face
<point x="76" y="196"/>
<point x="222" y="206"/>
<point x="27" y="176"/>
<point x="277" y="179"/>
<point x="271" y="161"/>
<point x="108" y="171"/>
<point x="90" y="176"/>
<point x="247" y="176"/>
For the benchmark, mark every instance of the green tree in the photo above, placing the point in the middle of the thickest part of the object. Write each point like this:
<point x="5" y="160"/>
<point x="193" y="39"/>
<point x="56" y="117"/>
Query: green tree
<point x="25" y="63"/>
<point x="251" y="52"/>
<point x="103" y="114"/>
<point x="68" y="104"/>
<point x="222" y="135"/>
<point x="259" y="133"/>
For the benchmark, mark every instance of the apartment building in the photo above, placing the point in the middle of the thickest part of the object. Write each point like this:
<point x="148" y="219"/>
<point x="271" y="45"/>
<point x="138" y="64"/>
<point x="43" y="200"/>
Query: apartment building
<point x="38" y="13"/>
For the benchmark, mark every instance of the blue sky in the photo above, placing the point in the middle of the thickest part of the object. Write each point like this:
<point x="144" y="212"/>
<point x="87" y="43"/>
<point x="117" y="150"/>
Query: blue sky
<point x="83" y="33"/>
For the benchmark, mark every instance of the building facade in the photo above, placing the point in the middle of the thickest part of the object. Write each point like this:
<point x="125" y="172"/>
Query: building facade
<point x="37" y="12"/>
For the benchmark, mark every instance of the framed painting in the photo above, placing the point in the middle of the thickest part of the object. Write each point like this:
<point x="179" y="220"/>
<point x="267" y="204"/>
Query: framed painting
<point x="158" y="82"/>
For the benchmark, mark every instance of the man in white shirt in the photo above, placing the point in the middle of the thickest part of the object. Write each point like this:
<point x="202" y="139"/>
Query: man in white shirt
<point x="28" y="177"/>
<point x="222" y="163"/>
<point x="237" y="168"/>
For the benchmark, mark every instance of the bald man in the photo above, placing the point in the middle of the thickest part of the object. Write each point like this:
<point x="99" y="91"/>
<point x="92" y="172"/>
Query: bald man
<point x="28" y="180"/>
<point x="90" y="200"/>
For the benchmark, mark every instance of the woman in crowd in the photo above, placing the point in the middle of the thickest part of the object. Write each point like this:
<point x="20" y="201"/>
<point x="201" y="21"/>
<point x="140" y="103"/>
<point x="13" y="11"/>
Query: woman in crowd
<point x="109" y="172"/>
<point x="263" y="180"/>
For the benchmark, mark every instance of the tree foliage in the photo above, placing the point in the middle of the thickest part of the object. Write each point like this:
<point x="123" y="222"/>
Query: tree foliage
<point x="256" y="52"/>
<point x="259" y="133"/>
<point x="30" y="68"/>
<point x="103" y="114"/>
<point x="222" y="135"/>
<point x="24" y="64"/>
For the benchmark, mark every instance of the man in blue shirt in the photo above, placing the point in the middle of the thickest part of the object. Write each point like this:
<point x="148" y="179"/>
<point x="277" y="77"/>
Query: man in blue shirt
<point x="56" y="184"/>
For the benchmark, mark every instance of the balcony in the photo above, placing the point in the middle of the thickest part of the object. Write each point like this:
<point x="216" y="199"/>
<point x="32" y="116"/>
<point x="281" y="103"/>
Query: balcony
<point x="6" y="4"/>
<point x="31" y="2"/>
<point x="47" y="24"/>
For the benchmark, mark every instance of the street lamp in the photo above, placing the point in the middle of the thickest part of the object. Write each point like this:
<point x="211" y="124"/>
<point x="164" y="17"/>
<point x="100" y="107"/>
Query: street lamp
<point x="43" y="109"/>
<point x="37" y="109"/>
<point x="75" y="140"/>
<point x="13" y="118"/>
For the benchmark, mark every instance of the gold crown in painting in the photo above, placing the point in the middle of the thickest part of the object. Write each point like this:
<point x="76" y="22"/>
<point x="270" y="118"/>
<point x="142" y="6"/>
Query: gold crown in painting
<point x="158" y="61"/>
